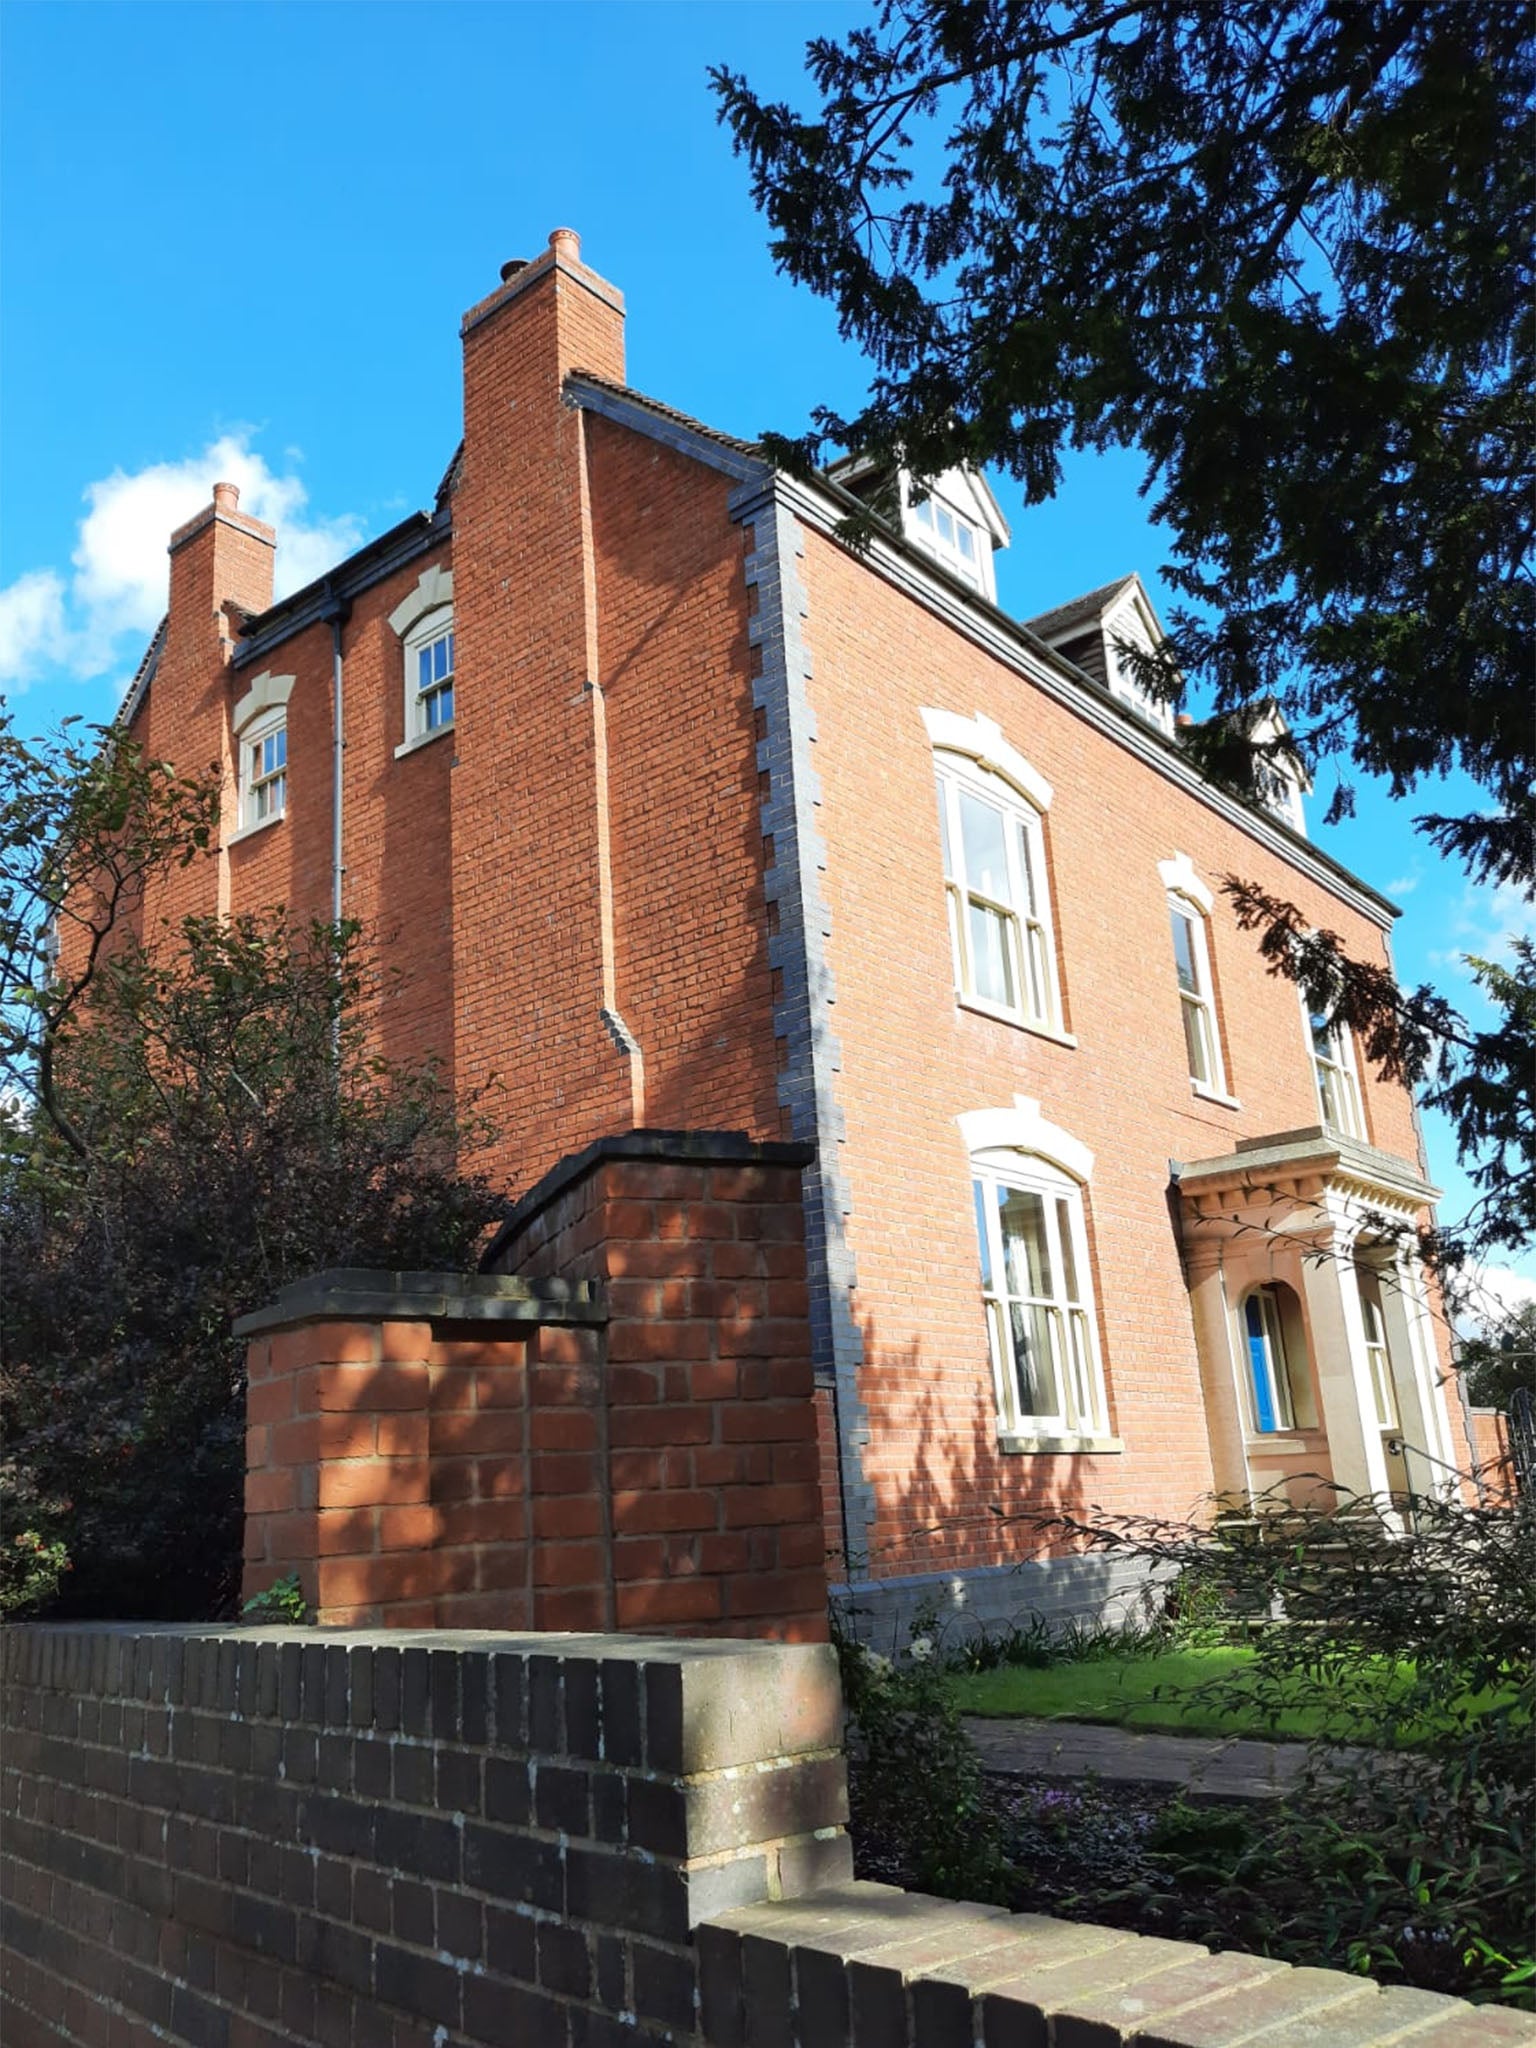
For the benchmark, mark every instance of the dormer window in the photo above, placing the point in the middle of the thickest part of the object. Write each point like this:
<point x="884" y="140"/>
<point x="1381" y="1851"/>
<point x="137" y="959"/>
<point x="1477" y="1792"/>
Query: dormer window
<point x="953" y="540"/>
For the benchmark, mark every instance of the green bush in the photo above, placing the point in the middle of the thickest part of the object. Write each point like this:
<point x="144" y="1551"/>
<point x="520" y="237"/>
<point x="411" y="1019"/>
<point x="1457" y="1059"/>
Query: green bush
<point x="917" y="1794"/>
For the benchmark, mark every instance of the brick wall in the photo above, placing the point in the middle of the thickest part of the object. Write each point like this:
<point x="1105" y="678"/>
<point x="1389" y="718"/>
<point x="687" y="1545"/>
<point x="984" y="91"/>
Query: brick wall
<point x="273" y="1839"/>
<point x="615" y="1430"/>
<point x="697" y="1245"/>
<point x="296" y="1839"/>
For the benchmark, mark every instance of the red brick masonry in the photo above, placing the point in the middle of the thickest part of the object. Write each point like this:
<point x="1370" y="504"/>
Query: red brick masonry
<point x="613" y="1429"/>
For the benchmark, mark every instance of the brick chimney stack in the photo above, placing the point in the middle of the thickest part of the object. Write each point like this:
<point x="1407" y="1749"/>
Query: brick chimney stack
<point x="529" y="959"/>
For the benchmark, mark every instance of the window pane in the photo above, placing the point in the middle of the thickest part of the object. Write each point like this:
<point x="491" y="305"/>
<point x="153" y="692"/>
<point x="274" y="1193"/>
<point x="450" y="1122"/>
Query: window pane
<point x="967" y="543"/>
<point x="1197" y="1041"/>
<point x="985" y="846"/>
<point x="983" y="1236"/>
<point x="424" y="669"/>
<point x="1039" y="982"/>
<point x="450" y="653"/>
<point x="992" y="955"/>
<point x="439" y="660"/>
<point x="946" y="525"/>
<point x="1068" y="1250"/>
<point x="445" y="699"/>
<point x="1322" y="1035"/>
<point x="1184" y="953"/>
<point x="923" y="513"/>
<point x="1025" y="1252"/>
<point x="1030" y="905"/>
<point x="1034" y="1363"/>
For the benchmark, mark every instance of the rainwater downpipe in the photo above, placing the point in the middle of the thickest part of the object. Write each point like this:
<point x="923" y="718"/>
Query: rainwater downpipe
<point x="336" y="611"/>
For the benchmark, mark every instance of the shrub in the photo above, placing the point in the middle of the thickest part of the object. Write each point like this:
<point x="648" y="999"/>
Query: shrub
<point x="916" y="1788"/>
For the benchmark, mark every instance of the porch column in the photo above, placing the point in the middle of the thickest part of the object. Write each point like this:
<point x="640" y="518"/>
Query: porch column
<point x="1415" y="1376"/>
<point x="1224" y="1420"/>
<point x="1337" y="1329"/>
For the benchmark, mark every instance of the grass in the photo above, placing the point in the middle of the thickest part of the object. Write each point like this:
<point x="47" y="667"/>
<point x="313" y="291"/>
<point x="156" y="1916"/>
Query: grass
<point x="1175" y="1691"/>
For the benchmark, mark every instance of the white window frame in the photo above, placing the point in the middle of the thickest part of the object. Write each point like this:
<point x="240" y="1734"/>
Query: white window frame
<point x="1022" y="912"/>
<point x="263" y="791"/>
<point x="1334" y="1072"/>
<point x="434" y="626"/>
<point x="1378" y="1353"/>
<point x="1275" y="1360"/>
<point x="1066" y="1314"/>
<point x="926" y="520"/>
<point x="1198" y="1004"/>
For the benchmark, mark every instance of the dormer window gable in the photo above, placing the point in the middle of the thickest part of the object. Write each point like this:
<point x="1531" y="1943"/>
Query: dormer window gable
<point x="1102" y="633"/>
<point x="955" y="520"/>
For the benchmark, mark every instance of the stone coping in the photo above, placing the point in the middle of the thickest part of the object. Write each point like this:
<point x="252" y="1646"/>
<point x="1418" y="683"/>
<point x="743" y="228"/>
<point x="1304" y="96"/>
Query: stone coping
<point x="1313" y="1149"/>
<point x="363" y="1294"/>
<point x="660" y="1148"/>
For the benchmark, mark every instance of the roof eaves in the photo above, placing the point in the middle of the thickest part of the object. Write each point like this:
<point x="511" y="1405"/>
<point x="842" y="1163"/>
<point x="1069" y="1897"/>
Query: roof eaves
<point x="143" y="675"/>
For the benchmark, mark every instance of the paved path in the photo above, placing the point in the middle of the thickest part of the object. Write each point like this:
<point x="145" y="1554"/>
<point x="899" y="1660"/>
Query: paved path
<point x="1224" y="1766"/>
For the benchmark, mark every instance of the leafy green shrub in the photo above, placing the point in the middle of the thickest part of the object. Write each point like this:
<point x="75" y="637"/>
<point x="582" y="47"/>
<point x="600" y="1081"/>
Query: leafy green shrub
<point x="916" y="1789"/>
<point x="222" y="1128"/>
<point x="1417" y="1867"/>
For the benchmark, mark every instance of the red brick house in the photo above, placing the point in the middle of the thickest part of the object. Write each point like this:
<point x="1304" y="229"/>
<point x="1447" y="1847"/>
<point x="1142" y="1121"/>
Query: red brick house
<point x="633" y="762"/>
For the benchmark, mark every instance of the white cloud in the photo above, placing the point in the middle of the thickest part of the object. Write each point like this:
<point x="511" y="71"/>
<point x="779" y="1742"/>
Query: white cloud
<point x="120" y="568"/>
<point x="32" y="628"/>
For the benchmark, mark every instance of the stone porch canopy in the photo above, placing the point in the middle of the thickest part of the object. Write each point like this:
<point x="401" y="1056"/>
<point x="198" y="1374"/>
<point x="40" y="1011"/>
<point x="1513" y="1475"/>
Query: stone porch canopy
<point x="1304" y="1212"/>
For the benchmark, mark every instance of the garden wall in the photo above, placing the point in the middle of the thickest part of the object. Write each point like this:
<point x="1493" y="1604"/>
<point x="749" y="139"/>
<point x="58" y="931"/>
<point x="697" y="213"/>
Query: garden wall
<point x="613" y="1427"/>
<point x="268" y="1839"/>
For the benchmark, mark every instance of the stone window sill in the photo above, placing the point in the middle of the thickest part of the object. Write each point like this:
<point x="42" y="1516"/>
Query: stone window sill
<point x="982" y="1008"/>
<point x="1058" y="1446"/>
<point x="1214" y="1095"/>
<point x="423" y="739"/>
<point x="250" y="831"/>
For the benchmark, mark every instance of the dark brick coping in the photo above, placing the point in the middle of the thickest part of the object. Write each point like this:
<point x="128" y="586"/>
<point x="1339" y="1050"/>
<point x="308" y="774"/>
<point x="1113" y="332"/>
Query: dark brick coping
<point x="662" y="1148"/>
<point x="360" y="1294"/>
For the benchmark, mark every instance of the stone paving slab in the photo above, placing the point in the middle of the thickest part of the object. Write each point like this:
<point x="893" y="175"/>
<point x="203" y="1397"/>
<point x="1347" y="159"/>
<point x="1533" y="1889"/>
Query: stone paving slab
<point x="1222" y="1766"/>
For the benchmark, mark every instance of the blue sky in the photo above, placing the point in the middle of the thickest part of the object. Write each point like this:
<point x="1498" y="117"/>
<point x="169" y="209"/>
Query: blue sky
<point x="236" y="242"/>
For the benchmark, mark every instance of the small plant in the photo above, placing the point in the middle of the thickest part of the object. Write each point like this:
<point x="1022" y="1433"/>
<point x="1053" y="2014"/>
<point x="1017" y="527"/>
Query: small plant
<point x="282" y="1602"/>
<point x="31" y="1566"/>
<point x="917" y="1794"/>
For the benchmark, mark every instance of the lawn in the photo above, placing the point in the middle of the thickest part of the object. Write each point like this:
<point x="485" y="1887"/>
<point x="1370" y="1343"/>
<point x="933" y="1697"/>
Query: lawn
<point x="1173" y="1692"/>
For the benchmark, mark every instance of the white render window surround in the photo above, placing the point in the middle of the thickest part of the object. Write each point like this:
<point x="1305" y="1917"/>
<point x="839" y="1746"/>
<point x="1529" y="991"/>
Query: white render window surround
<point x="991" y="828"/>
<point x="259" y="724"/>
<point x="424" y="621"/>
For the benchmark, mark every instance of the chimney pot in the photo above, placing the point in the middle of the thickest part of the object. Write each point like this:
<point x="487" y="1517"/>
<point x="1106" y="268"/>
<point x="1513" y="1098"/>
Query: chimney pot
<point x="510" y="270"/>
<point x="566" y="244"/>
<point x="226" y="497"/>
<point x="1184" y="720"/>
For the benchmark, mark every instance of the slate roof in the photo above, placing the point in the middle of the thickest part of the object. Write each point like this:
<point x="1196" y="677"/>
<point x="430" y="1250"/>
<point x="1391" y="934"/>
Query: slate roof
<point x="144" y="674"/>
<point x="670" y="412"/>
<point x="1080" y="611"/>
